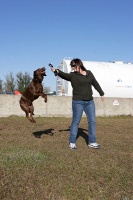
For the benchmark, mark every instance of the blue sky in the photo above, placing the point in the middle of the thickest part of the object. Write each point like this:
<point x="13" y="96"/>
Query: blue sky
<point x="34" y="33"/>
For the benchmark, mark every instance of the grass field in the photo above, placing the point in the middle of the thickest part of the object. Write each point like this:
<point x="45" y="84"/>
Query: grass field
<point x="36" y="163"/>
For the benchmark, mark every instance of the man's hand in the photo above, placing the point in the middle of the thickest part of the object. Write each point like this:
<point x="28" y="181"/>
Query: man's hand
<point x="102" y="98"/>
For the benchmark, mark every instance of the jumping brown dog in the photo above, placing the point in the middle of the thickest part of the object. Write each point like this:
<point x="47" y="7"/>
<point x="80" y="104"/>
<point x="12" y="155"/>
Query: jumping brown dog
<point x="34" y="90"/>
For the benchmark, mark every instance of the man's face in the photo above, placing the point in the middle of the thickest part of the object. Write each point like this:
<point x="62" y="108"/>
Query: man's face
<point x="76" y="68"/>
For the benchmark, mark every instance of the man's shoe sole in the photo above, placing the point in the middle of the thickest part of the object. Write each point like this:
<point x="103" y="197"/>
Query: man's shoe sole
<point x="72" y="148"/>
<point x="94" y="147"/>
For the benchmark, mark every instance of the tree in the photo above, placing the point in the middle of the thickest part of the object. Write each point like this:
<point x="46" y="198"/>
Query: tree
<point x="22" y="81"/>
<point x="1" y="88"/>
<point x="9" y="83"/>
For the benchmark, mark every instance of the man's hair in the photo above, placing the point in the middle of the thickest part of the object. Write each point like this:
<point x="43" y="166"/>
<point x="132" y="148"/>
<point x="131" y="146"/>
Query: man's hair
<point x="77" y="62"/>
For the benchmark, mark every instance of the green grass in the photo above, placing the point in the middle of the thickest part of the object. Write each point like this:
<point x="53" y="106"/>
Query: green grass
<point x="36" y="163"/>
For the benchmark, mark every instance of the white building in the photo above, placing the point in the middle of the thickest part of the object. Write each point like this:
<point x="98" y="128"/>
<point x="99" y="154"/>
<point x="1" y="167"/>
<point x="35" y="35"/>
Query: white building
<point x="115" y="78"/>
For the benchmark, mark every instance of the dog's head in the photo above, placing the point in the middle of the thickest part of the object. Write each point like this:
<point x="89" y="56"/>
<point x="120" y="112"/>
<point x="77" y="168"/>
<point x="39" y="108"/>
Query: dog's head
<point x="39" y="74"/>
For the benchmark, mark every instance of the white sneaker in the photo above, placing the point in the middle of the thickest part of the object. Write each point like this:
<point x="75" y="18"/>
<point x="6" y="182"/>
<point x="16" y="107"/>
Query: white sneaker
<point x="94" y="145"/>
<point x="72" y="146"/>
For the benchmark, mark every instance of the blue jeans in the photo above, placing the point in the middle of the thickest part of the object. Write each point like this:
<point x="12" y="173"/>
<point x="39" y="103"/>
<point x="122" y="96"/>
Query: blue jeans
<point x="78" y="106"/>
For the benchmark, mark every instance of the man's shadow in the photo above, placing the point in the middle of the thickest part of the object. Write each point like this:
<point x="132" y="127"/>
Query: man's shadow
<point x="81" y="133"/>
<point x="38" y="134"/>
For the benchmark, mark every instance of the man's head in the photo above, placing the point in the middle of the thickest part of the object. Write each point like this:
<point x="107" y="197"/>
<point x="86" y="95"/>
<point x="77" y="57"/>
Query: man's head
<point x="76" y="64"/>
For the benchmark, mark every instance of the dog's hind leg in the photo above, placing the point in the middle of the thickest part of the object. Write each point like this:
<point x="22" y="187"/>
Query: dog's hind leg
<point x="31" y="110"/>
<point x="24" y="106"/>
<point x="26" y="110"/>
<point x="27" y="115"/>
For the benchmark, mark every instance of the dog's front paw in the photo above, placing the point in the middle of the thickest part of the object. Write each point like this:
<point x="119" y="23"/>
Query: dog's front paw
<point x="45" y="100"/>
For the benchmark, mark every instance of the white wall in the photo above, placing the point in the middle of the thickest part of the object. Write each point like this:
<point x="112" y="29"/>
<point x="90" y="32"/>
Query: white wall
<point x="61" y="106"/>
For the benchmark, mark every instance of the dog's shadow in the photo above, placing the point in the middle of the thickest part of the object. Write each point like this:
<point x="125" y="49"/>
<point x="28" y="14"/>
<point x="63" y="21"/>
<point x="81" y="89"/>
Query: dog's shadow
<point x="38" y="134"/>
<point x="81" y="133"/>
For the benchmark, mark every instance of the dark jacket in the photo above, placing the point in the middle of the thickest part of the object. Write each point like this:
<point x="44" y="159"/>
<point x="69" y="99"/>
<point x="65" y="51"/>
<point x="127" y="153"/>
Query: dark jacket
<point x="82" y="85"/>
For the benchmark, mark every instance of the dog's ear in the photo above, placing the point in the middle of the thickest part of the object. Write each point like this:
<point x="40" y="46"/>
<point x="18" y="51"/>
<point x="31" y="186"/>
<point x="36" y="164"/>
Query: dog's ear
<point x="34" y="73"/>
